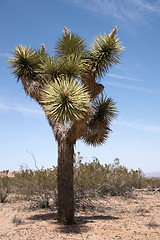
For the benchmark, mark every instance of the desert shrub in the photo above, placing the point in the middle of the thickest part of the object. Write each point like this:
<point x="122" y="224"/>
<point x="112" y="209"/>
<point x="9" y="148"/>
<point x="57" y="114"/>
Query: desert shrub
<point x="4" y="173"/>
<point x="117" y="179"/>
<point x="17" y="220"/>
<point x="38" y="186"/>
<point x="5" y="187"/>
<point x="152" y="182"/>
<point x="91" y="180"/>
<point x="87" y="178"/>
<point x="95" y="180"/>
<point x="87" y="182"/>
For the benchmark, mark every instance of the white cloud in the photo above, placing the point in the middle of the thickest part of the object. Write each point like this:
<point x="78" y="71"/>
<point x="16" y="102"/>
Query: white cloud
<point x="123" y="77"/>
<point x="139" y="126"/>
<point x="146" y="5"/>
<point x="132" y="87"/>
<point x="20" y="109"/>
<point x="133" y="10"/>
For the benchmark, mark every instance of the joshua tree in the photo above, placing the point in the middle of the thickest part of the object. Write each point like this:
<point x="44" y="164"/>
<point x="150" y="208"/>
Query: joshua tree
<point x="66" y="88"/>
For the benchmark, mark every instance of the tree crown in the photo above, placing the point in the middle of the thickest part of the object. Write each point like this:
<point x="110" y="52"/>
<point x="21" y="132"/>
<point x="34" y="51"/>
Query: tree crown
<point x="65" y="84"/>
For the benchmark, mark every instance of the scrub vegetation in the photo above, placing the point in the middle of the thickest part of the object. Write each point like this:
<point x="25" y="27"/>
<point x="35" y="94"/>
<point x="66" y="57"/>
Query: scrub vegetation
<point x="92" y="181"/>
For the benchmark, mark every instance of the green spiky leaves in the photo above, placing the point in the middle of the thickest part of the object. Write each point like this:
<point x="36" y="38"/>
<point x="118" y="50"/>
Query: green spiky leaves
<point x="73" y="66"/>
<point x="65" y="100"/>
<point x="49" y="70"/>
<point x="98" y="127"/>
<point x="27" y="62"/>
<point x="105" y="111"/>
<point x="70" y="44"/>
<point x="96" y="137"/>
<point x="66" y="83"/>
<point x="24" y="62"/>
<point x="72" y="58"/>
<point x="105" y="52"/>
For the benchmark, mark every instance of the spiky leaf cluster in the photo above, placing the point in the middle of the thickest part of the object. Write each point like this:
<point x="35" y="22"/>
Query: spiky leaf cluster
<point x="52" y="68"/>
<point x="105" y="111"/>
<point x="70" y="44"/>
<point x="65" y="100"/>
<point x="27" y="62"/>
<point x="96" y="137"/>
<point x="105" y="52"/>
<point x="73" y="65"/>
<point x="24" y="62"/>
<point x="99" y="123"/>
<point x="63" y="97"/>
<point x="49" y="70"/>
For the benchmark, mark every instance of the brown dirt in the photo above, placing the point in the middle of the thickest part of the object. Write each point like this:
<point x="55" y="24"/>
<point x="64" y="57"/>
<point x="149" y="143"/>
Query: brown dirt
<point x="135" y="218"/>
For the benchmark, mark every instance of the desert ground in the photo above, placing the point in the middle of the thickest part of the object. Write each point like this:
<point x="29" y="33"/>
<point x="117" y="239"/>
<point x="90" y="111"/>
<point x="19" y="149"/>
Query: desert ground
<point x="135" y="218"/>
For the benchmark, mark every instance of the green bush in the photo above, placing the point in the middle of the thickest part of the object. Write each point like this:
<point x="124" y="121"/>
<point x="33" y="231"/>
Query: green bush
<point x="38" y="186"/>
<point x="91" y="180"/>
<point x="5" y="187"/>
<point x="152" y="182"/>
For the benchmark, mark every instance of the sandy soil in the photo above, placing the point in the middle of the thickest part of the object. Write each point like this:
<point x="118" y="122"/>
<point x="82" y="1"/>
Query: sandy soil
<point x="115" y="218"/>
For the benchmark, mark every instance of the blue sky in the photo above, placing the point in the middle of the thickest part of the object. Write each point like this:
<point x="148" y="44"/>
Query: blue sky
<point x="134" y="84"/>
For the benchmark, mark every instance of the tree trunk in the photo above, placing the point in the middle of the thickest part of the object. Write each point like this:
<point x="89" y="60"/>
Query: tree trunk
<point x="65" y="181"/>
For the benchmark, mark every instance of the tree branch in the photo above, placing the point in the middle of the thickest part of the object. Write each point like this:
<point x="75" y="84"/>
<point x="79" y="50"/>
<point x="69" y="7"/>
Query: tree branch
<point x="35" y="162"/>
<point x="76" y="129"/>
<point x="34" y="89"/>
<point x="94" y="88"/>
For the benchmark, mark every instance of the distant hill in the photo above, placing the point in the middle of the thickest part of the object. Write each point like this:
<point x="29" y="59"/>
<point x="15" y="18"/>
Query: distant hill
<point x="153" y="174"/>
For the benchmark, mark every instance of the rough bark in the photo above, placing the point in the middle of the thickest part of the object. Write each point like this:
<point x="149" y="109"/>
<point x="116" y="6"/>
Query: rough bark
<point x="94" y="88"/>
<point x="32" y="88"/>
<point x="65" y="181"/>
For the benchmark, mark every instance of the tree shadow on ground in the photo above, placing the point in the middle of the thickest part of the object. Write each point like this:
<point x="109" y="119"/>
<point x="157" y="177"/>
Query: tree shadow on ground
<point x="44" y="217"/>
<point x="80" y="222"/>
